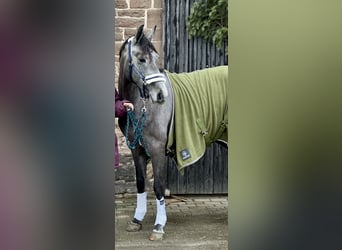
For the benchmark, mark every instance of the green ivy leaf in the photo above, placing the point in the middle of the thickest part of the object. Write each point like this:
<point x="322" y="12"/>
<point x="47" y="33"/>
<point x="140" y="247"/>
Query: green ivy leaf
<point x="209" y="20"/>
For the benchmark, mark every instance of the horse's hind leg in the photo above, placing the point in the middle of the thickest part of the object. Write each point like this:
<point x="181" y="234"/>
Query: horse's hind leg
<point x="140" y="162"/>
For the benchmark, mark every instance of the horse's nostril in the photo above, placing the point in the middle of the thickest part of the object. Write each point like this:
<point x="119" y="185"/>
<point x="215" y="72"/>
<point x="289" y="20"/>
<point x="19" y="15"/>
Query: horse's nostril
<point x="160" y="96"/>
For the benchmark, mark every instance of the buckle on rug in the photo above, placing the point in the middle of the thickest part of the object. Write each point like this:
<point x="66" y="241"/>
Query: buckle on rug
<point x="203" y="131"/>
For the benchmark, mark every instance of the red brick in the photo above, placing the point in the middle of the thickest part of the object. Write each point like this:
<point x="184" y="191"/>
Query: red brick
<point x="117" y="70"/>
<point x="118" y="34"/>
<point x="130" y="32"/>
<point x="140" y="4"/>
<point x="121" y="4"/>
<point x="129" y="22"/>
<point x="158" y="4"/>
<point x="154" y="17"/>
<point x="117" y="67"/>
<point x="131" y="13"/>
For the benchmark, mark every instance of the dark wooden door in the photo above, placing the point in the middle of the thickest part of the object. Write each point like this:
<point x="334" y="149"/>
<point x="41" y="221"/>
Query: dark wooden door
<point x="181" y="54"/>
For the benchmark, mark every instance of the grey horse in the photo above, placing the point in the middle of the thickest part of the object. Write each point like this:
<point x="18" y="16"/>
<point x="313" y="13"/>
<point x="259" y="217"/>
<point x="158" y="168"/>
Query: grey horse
<point x="150" y="90"/>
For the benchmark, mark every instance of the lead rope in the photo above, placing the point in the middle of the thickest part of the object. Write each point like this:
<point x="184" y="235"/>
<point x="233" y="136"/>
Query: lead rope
<point x="137" y="126"/>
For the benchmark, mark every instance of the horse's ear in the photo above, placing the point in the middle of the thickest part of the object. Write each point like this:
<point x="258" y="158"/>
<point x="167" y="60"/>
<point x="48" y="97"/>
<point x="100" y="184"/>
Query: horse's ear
<point x="151" y="34"/>
<point x="139" y="34"/>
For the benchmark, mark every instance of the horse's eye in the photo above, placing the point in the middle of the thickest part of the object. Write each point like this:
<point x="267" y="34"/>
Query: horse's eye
<point x="142" y="60"/>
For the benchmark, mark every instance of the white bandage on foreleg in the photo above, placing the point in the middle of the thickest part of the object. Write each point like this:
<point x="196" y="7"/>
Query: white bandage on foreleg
<point x="161" y="212"/>
<point x="141" y="208"/>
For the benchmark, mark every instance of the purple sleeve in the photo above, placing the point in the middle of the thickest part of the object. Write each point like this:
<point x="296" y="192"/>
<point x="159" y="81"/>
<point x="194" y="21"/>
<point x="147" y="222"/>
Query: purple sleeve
<point x="120" y="110"/>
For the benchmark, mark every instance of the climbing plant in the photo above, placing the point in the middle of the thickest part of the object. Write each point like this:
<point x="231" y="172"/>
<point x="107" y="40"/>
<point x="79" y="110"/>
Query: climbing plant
<point x="209" y="20"/>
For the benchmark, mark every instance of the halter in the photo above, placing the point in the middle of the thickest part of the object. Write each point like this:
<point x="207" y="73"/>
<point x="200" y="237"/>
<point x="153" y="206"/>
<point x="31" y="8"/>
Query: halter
<point x="146" y="79"/>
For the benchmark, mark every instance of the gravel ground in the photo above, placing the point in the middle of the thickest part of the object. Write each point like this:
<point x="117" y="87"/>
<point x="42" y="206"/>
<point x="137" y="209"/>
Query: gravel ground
<point x="196" y="222"/>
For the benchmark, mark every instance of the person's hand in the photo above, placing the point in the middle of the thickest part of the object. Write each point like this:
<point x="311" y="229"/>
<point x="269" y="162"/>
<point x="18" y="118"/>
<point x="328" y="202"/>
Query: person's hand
<point x="128" y="106"/>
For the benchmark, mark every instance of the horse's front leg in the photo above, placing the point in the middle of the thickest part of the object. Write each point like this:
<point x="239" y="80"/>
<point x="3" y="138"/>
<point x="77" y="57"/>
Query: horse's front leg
<point x="140" y="162"/>
<point x="159" y="172"/>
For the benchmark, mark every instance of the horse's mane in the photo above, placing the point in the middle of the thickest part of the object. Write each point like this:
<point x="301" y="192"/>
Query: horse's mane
<point x="145" y="45"/>
<point x="123" y="47"/>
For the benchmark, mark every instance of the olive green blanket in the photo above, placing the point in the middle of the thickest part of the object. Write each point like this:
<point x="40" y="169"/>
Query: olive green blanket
<point x="200" y="114"/>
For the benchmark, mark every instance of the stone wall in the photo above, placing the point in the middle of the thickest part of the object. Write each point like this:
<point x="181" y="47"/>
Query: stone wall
<point x="129" y="15"/>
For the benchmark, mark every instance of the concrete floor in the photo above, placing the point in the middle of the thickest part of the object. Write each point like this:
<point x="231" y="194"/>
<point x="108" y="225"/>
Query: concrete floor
<point x="197" y="222"/>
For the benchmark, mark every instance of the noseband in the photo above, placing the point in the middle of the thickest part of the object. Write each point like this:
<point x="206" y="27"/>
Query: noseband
<point x="146" y="79"/>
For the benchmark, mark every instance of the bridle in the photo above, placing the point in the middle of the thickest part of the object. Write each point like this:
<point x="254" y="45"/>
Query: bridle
<point x="158" y="77"/>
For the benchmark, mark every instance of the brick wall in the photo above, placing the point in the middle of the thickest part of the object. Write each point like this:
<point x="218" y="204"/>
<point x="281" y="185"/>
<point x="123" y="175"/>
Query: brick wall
<point x="129" y="15"/>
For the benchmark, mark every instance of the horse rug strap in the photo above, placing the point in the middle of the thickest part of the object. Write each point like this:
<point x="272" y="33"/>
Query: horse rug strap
<point x="200" y="113"/>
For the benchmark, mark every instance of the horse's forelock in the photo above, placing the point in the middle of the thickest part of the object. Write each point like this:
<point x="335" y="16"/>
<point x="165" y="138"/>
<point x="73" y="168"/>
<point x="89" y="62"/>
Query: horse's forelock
<point x="146" y="45"/>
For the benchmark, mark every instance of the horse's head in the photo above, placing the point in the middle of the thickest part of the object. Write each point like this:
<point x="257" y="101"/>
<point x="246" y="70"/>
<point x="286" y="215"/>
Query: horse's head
<point x="138" y="65"/>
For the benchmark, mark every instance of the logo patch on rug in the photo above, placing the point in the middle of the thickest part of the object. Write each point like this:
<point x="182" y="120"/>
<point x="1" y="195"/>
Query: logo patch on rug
<point x="185" y="154"/>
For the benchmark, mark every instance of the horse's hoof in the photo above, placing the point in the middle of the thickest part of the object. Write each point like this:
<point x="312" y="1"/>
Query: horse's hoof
<point x="156" y="236"/>
<point x="133" y="226"/>
<point x="157" y="233"/>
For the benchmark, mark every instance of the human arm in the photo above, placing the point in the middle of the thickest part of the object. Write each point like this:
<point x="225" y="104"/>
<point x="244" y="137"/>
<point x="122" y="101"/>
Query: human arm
<point x="121" y="106"/>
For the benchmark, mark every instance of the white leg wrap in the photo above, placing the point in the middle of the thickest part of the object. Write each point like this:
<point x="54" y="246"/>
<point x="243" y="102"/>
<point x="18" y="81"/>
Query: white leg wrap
<point x="161" y="212"/>
<point x="141" y="209"/>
